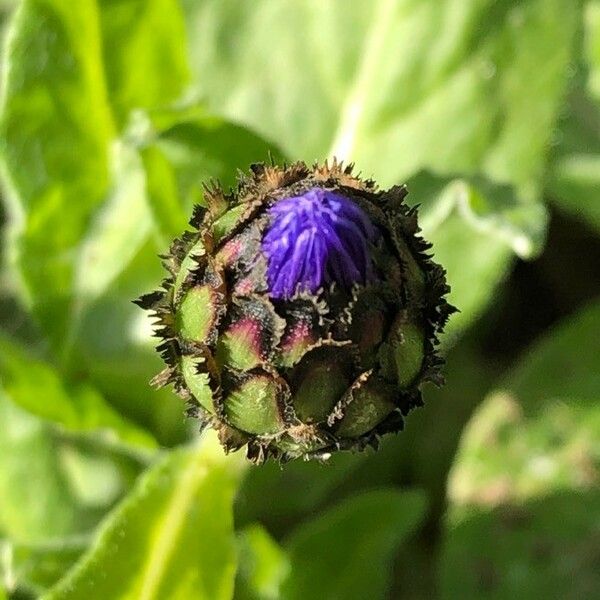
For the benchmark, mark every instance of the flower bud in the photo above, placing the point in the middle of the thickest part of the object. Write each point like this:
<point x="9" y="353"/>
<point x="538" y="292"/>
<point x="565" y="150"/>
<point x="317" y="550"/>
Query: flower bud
<point x="302" y="312"/>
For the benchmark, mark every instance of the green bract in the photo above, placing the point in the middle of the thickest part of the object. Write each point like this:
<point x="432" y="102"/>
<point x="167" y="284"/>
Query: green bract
<point x="318" y="371"/>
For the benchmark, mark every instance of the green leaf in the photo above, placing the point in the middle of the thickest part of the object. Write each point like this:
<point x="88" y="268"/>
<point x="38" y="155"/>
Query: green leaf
<point x="471" y="240"/>
<point x="573" y="182"/>
<point x="592" y="45"/>
<point x="37" y="500"/>
<point x="523" y="502"/>
<point x="79" y="212"/>
<point x="53" y="486"/>
<point x="487" y="208"/>
<point x="36" y="387"/>
<point x="145" y="53"/>
<point x="475" y="266"/>
<point x="116" y="350"/>
<point x="523" y="515"/>
<point x="563" y="364"/>
<point x="393" y="85"/>
<point x="263" y="565"/>
<point x="36" y="567"/>
<point x="545" y="548"/>
<point x="55" y="129"/>
<point x="576" y="186"/>
<point x="171" y="538"/>
<point x="185" y="149"/>
<point x="117" y="231"/>
<point x="347" y="551"/>
<point x="540" y="430"/>
<point x="307" y="486"/>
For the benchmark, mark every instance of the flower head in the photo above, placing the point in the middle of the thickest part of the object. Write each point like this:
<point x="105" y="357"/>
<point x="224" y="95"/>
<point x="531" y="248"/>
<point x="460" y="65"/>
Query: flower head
<point x="301" y="313"/>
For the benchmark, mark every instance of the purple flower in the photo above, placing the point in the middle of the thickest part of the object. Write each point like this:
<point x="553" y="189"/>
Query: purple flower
<point x="315" y="239"/>
<point x="289" y="322"/>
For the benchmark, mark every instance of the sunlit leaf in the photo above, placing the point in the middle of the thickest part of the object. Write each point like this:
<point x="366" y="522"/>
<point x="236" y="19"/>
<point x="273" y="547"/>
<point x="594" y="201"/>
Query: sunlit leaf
<point x="471" y="240"/>
<point x="144" y="50"/>
<point x="36" y="567"/>
<point x="36" y="498"/>
<point x="171" y="538"/>
<point x="117" y="231"/>
<point x="36" y="387"/>
<point x="394" y="85"/>
<point x="183" y="150"/>
<point x="591" y="46"/>
<point x="573" y="183"/>
<point x="55" y="128"/>
<point x="64" y="68"/>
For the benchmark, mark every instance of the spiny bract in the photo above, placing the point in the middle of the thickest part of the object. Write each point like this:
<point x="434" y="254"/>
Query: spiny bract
<point x="301" y="315"/>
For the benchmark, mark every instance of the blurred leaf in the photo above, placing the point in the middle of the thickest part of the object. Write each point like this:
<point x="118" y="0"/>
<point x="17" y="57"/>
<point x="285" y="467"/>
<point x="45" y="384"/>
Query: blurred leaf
<point x="171" y="538"/>
<point x="591" y="48"/>
<point x="347" y="551"/>
<point x="562" y="365"/>
<point x="99" y="473"/>
<point x="540" y="431"/>
<point x="198" y="142"/>
<point x="573" y="180"/>
<point x="547" y="548"/>
<point x="117" y="231"/>
<point x="573" y="183"/>
<point x="532" y="451"/>
<point x="36" y="498"/>
<point x="263" y="565"/>
<point x="36" y="387"/>
<point x="394" y="85"/>
<point x="115" y="349"/>
<point x="472" y="241"/>
<point x="475" y="266"/>
<point x="306" y="486"/>
<point x="488" y="208"/>
<point x="95" y="478"/>
<point x="145" y="53"/>
<point x="77" y="220"/>
<point x="55" y="129"/>
<point x="184" y="150"/>
<point x="576" y="186"/>
<point x="36" y="567"/>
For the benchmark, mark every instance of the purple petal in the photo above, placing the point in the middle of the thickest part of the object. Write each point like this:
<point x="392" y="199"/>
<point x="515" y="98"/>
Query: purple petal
<point x="317" y="238"/>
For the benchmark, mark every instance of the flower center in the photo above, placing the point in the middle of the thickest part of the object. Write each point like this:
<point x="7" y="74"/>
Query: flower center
<point x="314" y="239"/>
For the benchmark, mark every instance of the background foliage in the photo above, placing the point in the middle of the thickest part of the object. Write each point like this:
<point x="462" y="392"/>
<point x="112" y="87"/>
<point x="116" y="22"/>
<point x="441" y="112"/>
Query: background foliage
<point x="113" y="114"/>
